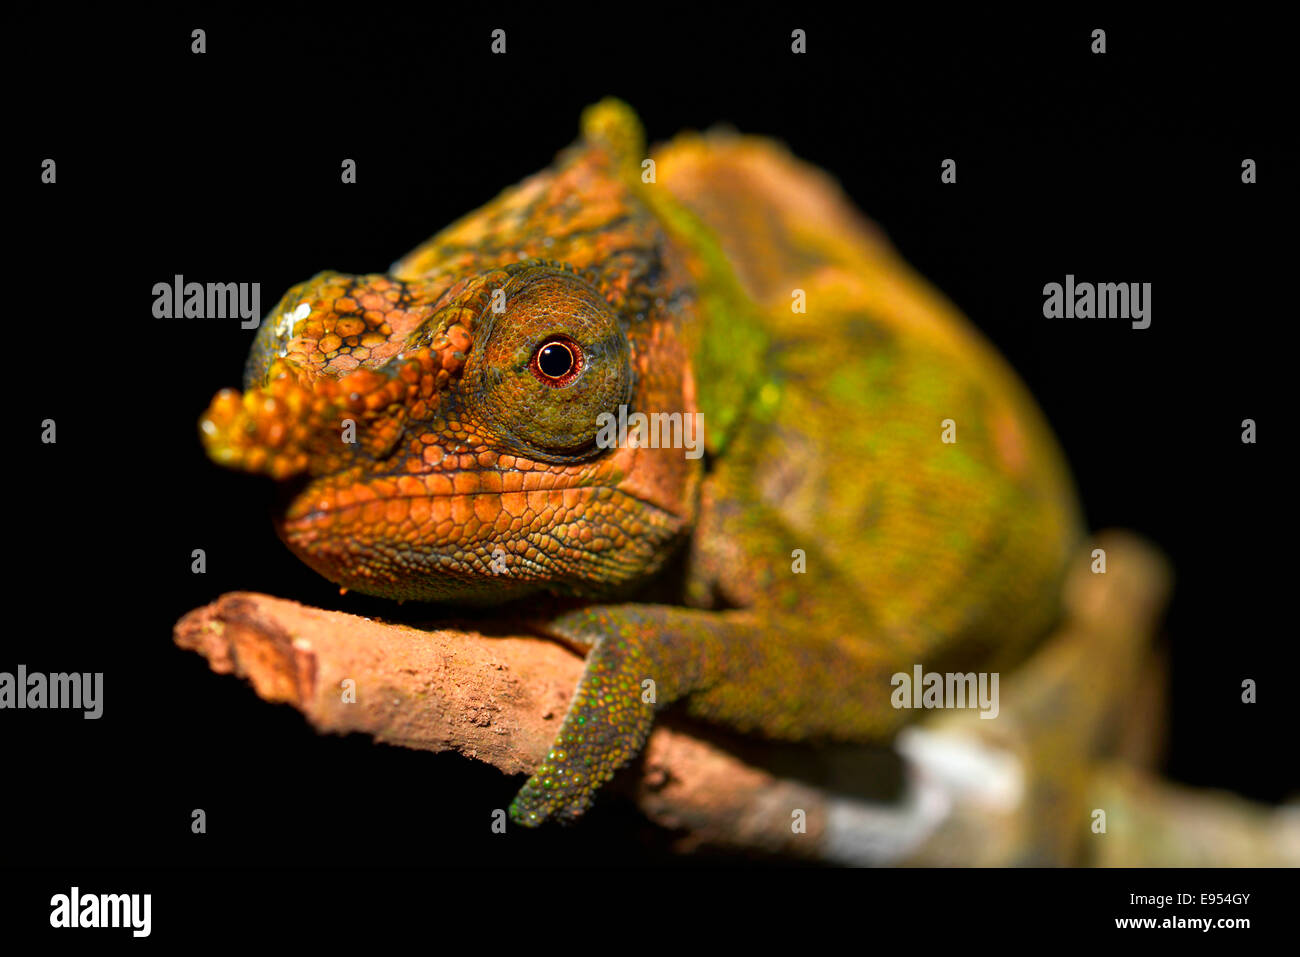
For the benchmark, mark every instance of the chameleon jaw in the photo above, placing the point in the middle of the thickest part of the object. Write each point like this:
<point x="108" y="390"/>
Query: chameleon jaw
<point x="483" y="531"/>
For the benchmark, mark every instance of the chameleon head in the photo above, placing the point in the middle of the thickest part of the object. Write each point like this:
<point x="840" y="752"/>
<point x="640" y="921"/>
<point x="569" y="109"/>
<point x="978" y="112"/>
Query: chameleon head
<point x="442" y="434"/>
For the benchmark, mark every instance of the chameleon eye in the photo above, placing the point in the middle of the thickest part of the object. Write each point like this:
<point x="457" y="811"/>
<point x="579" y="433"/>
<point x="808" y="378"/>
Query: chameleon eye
<point x="557" y="361"/>
<point x="541" y="373"/>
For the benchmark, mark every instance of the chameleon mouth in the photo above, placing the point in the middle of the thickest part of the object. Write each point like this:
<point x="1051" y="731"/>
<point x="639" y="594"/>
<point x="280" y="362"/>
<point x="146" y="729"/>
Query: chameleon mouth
<point x="396" y="539"/>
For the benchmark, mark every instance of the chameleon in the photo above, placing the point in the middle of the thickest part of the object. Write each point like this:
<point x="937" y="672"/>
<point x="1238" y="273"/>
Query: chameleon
<point x="874" y="487"/>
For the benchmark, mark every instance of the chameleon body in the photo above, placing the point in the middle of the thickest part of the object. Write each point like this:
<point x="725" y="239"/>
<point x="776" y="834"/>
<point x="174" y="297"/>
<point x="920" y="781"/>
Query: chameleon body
<point x="878" y="489"/>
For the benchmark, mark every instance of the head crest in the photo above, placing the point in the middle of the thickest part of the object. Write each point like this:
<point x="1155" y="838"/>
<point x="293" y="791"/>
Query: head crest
<point x="613" y="124"/>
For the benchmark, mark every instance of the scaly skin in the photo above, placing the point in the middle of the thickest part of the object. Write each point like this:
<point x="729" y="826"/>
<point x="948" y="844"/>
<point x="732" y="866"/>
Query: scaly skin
<point x="472" y="475"/>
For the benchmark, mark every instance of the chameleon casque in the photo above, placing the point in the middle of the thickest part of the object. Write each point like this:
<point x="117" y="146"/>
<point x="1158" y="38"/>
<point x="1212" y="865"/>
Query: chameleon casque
<point x="440" y="425"/>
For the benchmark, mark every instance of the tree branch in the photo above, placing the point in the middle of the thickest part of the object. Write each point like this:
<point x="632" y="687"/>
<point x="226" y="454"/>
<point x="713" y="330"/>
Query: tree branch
<point x="972" y="793"/>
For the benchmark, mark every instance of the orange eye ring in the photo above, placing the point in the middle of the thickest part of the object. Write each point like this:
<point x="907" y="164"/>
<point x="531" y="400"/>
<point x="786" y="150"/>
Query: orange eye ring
<point x="557" y="361"/>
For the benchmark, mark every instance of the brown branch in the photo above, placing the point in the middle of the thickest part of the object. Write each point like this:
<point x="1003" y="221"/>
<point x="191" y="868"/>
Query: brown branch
<point x="498" y="700"/>
<point x="501" y="700"/>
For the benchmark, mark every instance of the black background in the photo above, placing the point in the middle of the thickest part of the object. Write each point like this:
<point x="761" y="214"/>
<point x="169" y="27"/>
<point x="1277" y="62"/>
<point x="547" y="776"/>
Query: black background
<point x="225" y="167"/>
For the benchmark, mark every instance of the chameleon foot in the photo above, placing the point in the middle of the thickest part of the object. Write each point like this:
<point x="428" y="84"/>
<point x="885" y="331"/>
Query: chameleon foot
<point x="606" y="726"/>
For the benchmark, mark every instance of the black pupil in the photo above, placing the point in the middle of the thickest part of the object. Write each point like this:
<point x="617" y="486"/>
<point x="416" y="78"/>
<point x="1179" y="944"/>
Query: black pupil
<point x="555" y="360"/>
